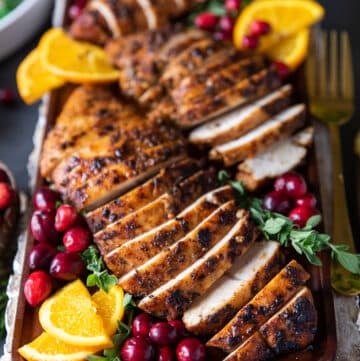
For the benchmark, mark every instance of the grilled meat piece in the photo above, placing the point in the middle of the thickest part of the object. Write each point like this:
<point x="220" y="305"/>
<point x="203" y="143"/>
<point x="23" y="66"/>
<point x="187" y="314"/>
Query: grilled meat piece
<point x="200" y="110"/>
<point x="278" y="159"/>
<point x="279" y="127"/>
<point x="96" y="181"/>
<point x="141" y="195"/>
<point x="170" y="262"/>
<point x="140" y="249"/>
<point x="155" y="213"/>
<point x="248" y="275"/>
<point x="264" y="305"/>
<point x="236" y="123"/>
<point x="293" y="328"/>
<point x="253" y="349"/>
<point x="121" y="17"/>
<point x="174" y="297"/>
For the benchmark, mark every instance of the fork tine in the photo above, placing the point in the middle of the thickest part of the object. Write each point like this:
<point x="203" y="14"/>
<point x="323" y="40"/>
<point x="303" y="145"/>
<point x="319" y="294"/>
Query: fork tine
<point x="322" y="63"/>
<point x="311" y="66"/>
<point x="333" y="65"/>
<point x="347" y="80"/>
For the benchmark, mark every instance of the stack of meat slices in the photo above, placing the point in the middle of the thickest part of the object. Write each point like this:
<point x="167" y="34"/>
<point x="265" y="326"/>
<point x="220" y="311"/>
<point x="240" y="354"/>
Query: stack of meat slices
<point x="100" y="147"/>
<point x="235" y="97"/>
<point x="106" y="19"/>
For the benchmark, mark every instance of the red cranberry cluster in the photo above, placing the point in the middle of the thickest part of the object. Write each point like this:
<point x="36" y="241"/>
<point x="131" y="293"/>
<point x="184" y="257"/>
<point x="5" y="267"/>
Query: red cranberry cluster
<point x="221" y="26"/>
<point x="291" y="197"/>
<point x="161" y="341"/>
<point x="7" y="96"/>
<point x="77" y="8"/>
<point x="54" y="228"/>
<point x="7" y="194"/>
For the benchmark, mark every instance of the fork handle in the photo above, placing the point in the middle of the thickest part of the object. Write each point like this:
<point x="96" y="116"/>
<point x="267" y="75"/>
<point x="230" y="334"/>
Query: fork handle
<point x="341" y="231"/>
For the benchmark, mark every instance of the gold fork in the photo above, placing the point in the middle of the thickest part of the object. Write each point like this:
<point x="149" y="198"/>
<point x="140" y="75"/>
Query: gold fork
<point x="329" y="75"/>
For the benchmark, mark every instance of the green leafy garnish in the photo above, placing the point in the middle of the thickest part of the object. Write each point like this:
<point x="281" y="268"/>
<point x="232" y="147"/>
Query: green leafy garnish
<point x="306" y="241"/>
<point x="123" y="332"/>
<point x="99" y="275"/>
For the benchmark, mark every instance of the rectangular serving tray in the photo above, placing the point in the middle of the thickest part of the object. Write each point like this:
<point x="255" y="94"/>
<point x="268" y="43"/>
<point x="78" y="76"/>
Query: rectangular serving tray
<point x="25" y="321"/>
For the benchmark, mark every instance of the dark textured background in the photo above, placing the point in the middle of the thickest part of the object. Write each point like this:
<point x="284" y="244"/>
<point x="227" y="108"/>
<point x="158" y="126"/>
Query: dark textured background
<point x="17" y="123"/>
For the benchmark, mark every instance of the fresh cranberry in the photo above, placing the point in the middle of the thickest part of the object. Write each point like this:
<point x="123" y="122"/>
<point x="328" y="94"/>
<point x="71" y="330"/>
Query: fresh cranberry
<point x="300" y="215"/>
<point x="222" y="36"/>
<point x="277" y="202"/>
<point x="282" y="68"/>
<point x="67" y="266"/>
<point x="179" y="327"/>
<point x="162" y="333"/>
<point x="37" y="287"/>
<point x="42" y="226"/>
<point x="41" y="256"/>
<point x="4" y="178"/>
<point x="7" y="96"/>
<point x="7" y="195"/>
<point x="190" y="349"/>
<point x="75" y="11"/>
<point x="250" y="42"/>
<point x="226" y="23"/>
<point x="206" y="21"/>
<point x="259" y="28"/>
<point x="307" y="200"/>
<point x="166" y="353"/>
<point x="66" y="217"/>
<point x="141" y="325"/>
<point x="232" y="5"/>
<point x="137" y="349"/>
<point x="291" y="184"/>
<point x="81" y="3"/>
<point x="45" y="199"/>
<point x="77" y="239"/>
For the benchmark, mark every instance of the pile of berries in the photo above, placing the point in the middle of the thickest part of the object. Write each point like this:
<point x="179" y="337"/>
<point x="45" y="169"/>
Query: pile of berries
<point x="221" y="26"/>
<point x="161" y="341"/>
<point x="7" y="194"/>
<point x="60" y="234"/>
<point x="77" y="8"/>
<point x="291" y="198"/>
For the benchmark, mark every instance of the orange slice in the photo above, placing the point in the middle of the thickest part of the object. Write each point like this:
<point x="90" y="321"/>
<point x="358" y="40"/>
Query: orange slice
<point x="71" y="316"/>
<point x="286" y="17"/>
<point x="49" y="348"/>
<point x="292" y="51"/>
<point x="75" y="61"/>
<point x="33" y="80"/>
<point x="110" y="307"/>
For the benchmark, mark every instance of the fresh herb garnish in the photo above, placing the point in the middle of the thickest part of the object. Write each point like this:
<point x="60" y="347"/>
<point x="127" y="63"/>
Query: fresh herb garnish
<point x="277" y="227"/>
<point x="100" y="276"/>
<point x="123" y="332"/>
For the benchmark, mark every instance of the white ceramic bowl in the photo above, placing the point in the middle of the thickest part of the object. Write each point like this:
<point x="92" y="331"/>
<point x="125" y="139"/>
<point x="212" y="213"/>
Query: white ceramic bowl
<point x="22" y="23"/>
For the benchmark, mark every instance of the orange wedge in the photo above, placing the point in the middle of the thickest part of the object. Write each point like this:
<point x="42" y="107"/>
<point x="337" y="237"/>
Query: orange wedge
<point x="286" y="18"/>
<point x="110" y="307"/>
<point x="75" y="61"/>
<point x="292" y="51"/>
<point x="49" y="348"/>
<point x="71" y="316"/>
<point x="33" y="80"/>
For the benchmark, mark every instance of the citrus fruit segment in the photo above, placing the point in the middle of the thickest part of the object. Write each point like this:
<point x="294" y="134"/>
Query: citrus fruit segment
<point x="75" y="61"/>
<point x="33" y="80"/>
<point x="110" y="307"/>
<point x="284" y="16"/>
<point x="49" y="348"/>
<point x="71" y="316"/>
<point x="292" y="51"/>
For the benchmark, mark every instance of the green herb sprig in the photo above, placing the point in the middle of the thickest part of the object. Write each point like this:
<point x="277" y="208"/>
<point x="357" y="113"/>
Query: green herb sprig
<point x="99" y="275"/>
<point x="306" y="241"/>
<point x="123" y="332"/>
